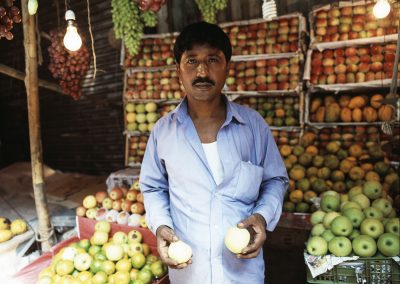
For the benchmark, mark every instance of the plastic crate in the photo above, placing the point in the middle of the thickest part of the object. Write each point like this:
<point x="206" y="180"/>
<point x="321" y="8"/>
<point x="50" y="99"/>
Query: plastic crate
<point x="363" y="270"/>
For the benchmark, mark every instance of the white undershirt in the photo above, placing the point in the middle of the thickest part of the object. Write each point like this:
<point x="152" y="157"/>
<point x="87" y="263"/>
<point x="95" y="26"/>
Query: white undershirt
<point x="214" y="161"/>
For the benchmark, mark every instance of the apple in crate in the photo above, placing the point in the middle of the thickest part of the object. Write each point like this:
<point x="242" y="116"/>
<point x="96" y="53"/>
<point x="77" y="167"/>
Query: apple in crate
<point x="122" y="218"/>
<point x="389" y="244"/>
<point x="317" y="246"/>
<point x="120" y="238"/>
<point x="114" y="252"/>
<point x="134" y="220"/>
<point x="364" y="246"/>
<point x="393" y="226"/>
<point x="89" y="202"/>
<point x="236" y="239"/>
<point x="101" y="214"/>
<point x="91" y="213"/>
<point x="82" y="261"/>
<point x="80" y="211"/>
<point x="372" y="227"/>
<point x="340" y="246"/>
<point x="107" y="203"/>
<point x="116" y="193"/>
<point x="100" y="195"/>
<point x="135" y="236"/>
<point x="102" y="226"/>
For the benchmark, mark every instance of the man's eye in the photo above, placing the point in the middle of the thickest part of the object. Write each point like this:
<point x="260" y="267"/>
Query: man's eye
<point x="191" y="61"/>
<point x="213" y="60"/>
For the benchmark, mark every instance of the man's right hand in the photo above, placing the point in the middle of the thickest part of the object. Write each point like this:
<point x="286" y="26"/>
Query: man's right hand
<point x="165" y="236"/>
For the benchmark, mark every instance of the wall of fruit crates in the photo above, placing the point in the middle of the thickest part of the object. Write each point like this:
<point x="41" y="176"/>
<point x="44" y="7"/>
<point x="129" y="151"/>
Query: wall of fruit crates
<point x="331" y="90"/>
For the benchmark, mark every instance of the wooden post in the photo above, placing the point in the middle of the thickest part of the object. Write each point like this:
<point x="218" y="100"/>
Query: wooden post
<point x="45" y="230"/>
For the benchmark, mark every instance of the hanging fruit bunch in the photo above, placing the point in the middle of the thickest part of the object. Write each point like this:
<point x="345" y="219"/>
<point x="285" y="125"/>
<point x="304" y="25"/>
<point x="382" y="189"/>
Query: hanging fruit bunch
<point x="129" y="22"/>
<point x="152" y="5"/>
<point x="209" y="9"/>
<point x="9" y="14"/>
<point x="69" y="67"/>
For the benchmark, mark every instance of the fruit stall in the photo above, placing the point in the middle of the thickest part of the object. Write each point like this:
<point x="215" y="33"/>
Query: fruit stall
<point x="324" y="78"/>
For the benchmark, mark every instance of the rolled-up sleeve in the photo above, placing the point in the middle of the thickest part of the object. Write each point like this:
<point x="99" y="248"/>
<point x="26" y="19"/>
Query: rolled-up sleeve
<point x="154" y="185"/>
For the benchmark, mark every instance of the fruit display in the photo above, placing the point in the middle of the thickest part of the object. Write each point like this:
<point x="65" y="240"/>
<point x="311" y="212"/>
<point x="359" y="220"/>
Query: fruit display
<point x="280" y="74"/>
<point x="284" y="137"/>
<point x="154" y="51"/>
<point x="366" y="108"/>
<point x="277" y="111"/>
<point x="359" y="64"/>
<point x="141" y="116"/>
<point x="153" y="85"/>
<point x="120" y="258"/>
<point x="129" y="23"/>
<point x="209" y="9"/>
<point x="136" y="145"/>
<point x="120" y="205"/>
<point x="338" y="160"/>
<point x="9" y="229"/>
<point x="281" y="35"/>
<point x="361" y="222"/>
<point x="9" y="15"/>
<point x="167" y="107"/>
<point x="348" y="22"/>
<point x="69" y="67"/>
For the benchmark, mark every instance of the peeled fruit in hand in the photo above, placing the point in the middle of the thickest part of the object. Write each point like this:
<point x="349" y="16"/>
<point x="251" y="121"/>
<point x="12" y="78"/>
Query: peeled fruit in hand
<point x="18" y="226"/>
<point x="179" y="251"/>
<point x="4" y="223"/>
<point x="236" y="239"/>
<point x="5" y="235"/>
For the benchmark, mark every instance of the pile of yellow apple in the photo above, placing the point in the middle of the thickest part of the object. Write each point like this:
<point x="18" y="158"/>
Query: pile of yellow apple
<point x="362" y="222"/>
<point x="10" y="229"/>
<point x="121" y="205"/>
<point x="120" y="259"/>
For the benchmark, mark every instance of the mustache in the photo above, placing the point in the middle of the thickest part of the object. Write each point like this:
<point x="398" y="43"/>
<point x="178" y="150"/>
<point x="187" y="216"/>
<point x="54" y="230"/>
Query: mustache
<point x="203" y="80"/>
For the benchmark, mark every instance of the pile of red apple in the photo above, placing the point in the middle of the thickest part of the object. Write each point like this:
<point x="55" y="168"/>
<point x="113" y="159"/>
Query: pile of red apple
<point x="277" y="111"/>
<point x="136" y="147"/>
<point x="353" y="22"/>
<point x="121" y="205"/>
<point x="120" y="258"/>
<point x="153" y="52"/>
<point x="264" y="75"/>
<point x="283" y="137"/>
<point x="276" y="36"/>
<point x="155" y="85"/>
<point x="151" y="5"/>
<point x="362" y="222"/>
<point x="353" y="64"/>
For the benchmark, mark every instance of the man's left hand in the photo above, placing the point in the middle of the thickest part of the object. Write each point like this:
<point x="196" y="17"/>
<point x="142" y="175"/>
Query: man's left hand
<point x="257" y="225"/>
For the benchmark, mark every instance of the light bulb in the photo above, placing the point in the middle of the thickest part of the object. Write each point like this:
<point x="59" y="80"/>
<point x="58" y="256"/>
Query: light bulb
<point x="381" y="9"/>
<point x="72" y="39"/>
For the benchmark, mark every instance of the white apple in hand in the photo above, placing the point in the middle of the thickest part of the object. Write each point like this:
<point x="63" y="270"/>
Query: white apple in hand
<point x="236" y="239"/>
<point x="389" y="244"/>
<point x="372" y="227"/>
<point x="180" y="252"/>
<point x="317" y="246"/>
<point x="340" y="246"/>
<point x="82" y="261"/>
<point x="364" y="246"/>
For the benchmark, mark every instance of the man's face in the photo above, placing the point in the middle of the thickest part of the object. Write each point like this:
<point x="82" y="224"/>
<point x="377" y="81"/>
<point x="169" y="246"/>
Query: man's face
<point x="203" y="71"/>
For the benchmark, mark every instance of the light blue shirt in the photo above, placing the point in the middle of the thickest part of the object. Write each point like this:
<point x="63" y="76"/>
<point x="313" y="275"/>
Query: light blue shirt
<point x="180" y="191"/>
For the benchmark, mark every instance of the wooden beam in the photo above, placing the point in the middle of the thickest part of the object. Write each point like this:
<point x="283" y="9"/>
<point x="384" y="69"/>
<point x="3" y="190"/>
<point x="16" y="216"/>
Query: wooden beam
<point x="21" y="76"/>
<point x="45" y="231"/>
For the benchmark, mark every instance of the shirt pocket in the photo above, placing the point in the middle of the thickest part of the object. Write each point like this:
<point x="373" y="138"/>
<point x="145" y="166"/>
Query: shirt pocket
<point x="248" y="184"/>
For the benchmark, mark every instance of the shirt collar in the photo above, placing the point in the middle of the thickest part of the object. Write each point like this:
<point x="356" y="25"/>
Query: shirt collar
<point x="181" y="111"/>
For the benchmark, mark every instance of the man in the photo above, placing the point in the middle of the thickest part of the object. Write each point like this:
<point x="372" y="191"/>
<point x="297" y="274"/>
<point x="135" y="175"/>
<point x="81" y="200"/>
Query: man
<point x="211" y="164"/>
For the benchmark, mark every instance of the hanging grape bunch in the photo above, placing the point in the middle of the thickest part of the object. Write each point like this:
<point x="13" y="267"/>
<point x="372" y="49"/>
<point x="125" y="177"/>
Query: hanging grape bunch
<point x="129" y="21"/>
<point x="9" y="14"/>
<point x="209" y="8"/>
<point x="69" y="67"/>
<point x="152" y="5"/>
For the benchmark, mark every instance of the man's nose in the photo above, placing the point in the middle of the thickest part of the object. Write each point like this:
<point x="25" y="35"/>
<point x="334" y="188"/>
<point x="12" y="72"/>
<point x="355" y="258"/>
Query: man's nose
<point x="202" y="69"/>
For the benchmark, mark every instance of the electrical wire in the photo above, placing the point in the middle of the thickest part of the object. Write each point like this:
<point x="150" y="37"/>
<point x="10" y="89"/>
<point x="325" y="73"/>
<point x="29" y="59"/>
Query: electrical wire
<point x="91" y="37"/>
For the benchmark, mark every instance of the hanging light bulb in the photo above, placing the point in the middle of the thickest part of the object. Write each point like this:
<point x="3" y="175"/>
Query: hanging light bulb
<point x="269" y="9"/>
<point x="381" y="9"/>
<point x="72" y="40"/>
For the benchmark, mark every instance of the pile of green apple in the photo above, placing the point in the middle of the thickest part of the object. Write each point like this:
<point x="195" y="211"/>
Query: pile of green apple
<point x="121" y="205"/>
<point x="141" y="116"/>
<point x="361" y="222"/>
<point x="121" y="259"/>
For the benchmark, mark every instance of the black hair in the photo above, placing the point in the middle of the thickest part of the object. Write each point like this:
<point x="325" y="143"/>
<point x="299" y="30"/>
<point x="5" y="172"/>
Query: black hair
<point x="202" y="33"/>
